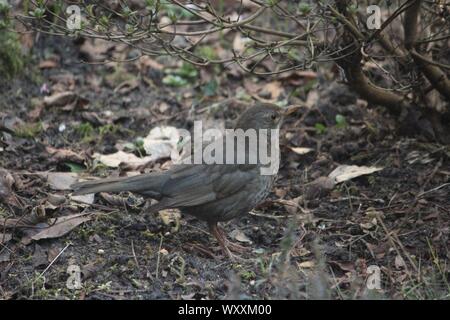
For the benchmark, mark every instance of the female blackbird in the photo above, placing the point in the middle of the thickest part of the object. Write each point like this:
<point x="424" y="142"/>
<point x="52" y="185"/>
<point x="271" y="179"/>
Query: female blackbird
<point x="210" y="192"/>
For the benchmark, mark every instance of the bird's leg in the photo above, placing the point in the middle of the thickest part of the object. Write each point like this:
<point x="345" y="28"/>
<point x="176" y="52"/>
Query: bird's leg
<point x="224" y="243"/>
<point x="233" y="246"/>
<point x="216" y="232"/>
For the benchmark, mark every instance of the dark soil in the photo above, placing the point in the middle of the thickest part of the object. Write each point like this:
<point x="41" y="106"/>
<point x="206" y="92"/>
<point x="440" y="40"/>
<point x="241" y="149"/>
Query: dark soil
<point x="307" y="241"/>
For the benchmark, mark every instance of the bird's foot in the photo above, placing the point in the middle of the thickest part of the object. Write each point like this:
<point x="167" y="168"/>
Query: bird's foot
<point x="226" y="245"/>
<point x="235" y="247"/>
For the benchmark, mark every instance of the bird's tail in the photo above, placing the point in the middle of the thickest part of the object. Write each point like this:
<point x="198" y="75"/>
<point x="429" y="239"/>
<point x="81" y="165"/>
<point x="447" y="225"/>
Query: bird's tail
<point x="149" y="183"/>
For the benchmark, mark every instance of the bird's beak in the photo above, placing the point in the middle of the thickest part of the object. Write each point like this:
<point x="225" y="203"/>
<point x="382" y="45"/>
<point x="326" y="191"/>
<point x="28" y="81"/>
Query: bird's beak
<point x="290" y="110"/>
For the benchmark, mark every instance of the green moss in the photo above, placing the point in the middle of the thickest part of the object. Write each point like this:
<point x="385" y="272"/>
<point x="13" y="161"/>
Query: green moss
<point x="108" y="128"/>
<point x="86" y="131"/>
<point x="247" y="275"/>
<point x="29" y="130"/>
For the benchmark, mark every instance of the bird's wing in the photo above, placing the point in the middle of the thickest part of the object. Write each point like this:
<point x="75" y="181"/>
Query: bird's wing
<point x="192" y="185"/>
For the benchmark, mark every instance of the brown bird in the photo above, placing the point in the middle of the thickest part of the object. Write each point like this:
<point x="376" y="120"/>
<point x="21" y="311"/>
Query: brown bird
<point x="210" y="192"/>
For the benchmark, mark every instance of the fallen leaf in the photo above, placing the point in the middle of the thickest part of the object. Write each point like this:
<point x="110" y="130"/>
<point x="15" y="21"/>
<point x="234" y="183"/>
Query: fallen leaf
<point x="306" y="264"/>
<point x="115" y="159"/>
<point x="59" y="180"/>
<point x="312" y="98"/>
<point x="60" y="99"/>
<point x="345" y="172"/>
<point x="59" y="155"/>
<point x="85" y="198"/>
<point x="239" y="236"/>
<point x="164" y="252"/>
<point x="56" y="199"/>
<point x="299" y="150"/>
<point x="48" y="64"/>
<point x="61" y="226"/>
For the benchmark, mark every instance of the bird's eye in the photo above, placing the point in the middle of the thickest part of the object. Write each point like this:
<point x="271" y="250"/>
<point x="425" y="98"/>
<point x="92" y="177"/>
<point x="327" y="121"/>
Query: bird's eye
<point x="273" y="116"/>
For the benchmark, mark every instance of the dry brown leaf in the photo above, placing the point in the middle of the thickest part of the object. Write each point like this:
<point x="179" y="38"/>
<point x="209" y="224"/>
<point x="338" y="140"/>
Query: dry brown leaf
<point x="306" y="264"/>
<point x="312" y="98"/>
<point x="61" y="226"/>
<point x="115" y="159"/>
<point x="59" y="155"/>
<point x="84" y="198"/>
<point x="60" y="99"/>
<point x="345" y="172"/>
<point x="239" y="236"/>
<point x="48" y="64"/>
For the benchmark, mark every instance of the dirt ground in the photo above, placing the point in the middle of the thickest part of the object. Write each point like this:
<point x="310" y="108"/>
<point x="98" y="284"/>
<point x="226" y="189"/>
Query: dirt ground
<point x="308" y="240"/>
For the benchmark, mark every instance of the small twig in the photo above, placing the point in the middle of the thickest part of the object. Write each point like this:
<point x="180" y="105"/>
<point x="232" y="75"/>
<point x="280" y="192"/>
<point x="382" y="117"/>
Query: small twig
<point x="432" y="190"/>
<point x="134" y="254"/>
<point x="51" y="263"/>
<point x="269" y="216"/>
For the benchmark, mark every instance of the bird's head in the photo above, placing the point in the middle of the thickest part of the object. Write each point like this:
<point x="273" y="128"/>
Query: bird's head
<point x="262" y="116"/>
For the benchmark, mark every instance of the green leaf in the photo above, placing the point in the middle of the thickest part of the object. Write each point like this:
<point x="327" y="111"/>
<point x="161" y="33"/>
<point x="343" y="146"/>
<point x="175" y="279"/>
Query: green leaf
<point x="320" y="128"/>
<point x="304" y="8"/>
<point x="340" y="121"/>
<point x="174" y="81"/>
<point x="187" y="70"/>
<point x="353" y="8"/>
<point x="75" y="167"/>
<point x="210" y="88"/>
